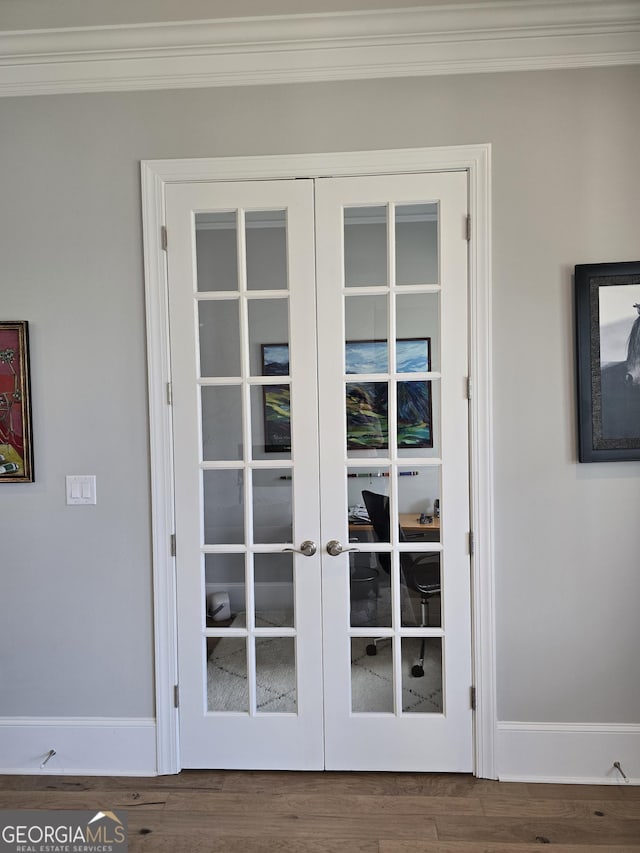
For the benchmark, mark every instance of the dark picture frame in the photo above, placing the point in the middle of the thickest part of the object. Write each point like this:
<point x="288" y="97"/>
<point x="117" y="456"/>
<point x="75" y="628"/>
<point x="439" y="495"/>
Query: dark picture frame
<point x="607" y="308"/>
<point x="16" y="443"/>
<point x="366" y="402"/>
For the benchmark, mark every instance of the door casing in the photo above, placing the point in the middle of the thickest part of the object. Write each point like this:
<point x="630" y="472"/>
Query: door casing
<point x="156" y="175"/>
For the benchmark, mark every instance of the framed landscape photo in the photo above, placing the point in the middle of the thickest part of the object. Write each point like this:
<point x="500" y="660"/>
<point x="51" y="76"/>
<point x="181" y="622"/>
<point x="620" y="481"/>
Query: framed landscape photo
<point x="366" y="402"/>
<point x="607" y="304"/>
<point x="16" y="451"/>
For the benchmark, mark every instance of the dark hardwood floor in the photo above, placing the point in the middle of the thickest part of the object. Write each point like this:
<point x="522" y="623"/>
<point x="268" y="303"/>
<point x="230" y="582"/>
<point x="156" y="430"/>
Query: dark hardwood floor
<point x="265" y="812"/>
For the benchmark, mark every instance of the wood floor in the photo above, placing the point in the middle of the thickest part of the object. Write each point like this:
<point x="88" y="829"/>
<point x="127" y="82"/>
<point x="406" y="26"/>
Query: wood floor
<point x="259" y="812"/>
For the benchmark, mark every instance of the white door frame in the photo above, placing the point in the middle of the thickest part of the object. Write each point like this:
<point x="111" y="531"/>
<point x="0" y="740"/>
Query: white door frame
<point x="156" y="174"/>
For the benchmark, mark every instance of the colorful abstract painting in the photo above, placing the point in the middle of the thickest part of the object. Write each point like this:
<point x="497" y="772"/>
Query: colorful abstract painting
<point x="16" y="463"/>
<point x="366" y="402"/>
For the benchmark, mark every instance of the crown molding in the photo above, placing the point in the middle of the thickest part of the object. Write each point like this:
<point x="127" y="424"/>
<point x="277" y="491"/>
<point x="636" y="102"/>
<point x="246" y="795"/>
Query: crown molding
<point x="448" y="38"/>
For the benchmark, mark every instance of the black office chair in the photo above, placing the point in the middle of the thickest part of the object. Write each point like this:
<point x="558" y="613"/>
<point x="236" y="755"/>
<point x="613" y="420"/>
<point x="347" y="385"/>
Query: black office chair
<point x="420" y="572"/>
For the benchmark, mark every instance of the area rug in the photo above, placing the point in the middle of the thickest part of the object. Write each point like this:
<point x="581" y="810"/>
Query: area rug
<point x="372" y="686"/>
<point x="227" y="686"/>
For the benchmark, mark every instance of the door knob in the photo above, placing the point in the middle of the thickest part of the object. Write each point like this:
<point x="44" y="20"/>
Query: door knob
<point x="307" y="548"/>
<point x="334" y="548"/>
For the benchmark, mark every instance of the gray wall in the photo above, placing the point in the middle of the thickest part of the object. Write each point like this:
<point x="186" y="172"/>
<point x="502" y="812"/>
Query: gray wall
<point x="76" y="627"/>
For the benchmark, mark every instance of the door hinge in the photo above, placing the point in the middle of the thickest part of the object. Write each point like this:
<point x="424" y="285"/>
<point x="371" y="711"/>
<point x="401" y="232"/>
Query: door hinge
<point x="473" y="698"/>
<point x="471" y="542"/>
<point x="176" y="696"/>
<point x="163" y="237"/>
<point x="468" y="227"/>
<point x="172" y="544"/>
<point x="169" y="394"/>
<point x="469" y="387"/>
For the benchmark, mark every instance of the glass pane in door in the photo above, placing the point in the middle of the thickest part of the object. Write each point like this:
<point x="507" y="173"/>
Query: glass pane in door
<point x="219" y="330"/>
<point x="227" y="676"/>
<point x="416" y="246"/>
<point x="225" y="589"/>
<point x="366" y="330"/>
<point x="422" y="675"/>
<point x="369" y="590"/>
<point x="365" y="246"/>
<point x="217" y="250"/>
<point x="266" y="240"/>
<point x="418" y="319"/>
<point x="367" y="418"/>
<point x="419" y="492"/>
<point x="221" y="413"/>
<point x="275" y="675"/>
<point x="272" y="505"/>
<point x="271" y="421"/>
<point x="273" y="590"/>
<point x="223" y="506"/>
<point x="372" y="676"/>
<point x="421" y="588"/>
<point x="269" y="337"/>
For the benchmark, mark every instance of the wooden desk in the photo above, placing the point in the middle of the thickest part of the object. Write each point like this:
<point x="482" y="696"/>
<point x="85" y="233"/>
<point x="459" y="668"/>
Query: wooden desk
<point x="409" y="522"/>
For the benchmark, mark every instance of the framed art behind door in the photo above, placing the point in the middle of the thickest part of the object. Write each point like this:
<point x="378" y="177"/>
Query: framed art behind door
<point x="366" y="402"/>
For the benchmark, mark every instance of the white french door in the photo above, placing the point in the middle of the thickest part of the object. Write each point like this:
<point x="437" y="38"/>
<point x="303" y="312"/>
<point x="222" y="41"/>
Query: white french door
<point x="318" y="346"/>
<point x="241" y="299"/>
<point x="392" y="315"/>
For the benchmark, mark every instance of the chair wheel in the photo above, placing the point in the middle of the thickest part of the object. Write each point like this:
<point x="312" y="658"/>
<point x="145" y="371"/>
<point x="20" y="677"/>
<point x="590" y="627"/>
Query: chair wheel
<point x="371" y="650"/>
<point x="417" y="671"/>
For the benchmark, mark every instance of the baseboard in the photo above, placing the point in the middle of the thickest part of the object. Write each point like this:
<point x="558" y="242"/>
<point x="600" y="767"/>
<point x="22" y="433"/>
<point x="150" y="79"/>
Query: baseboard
<point x="568" y="753"/>
<point x="93" y="746"/>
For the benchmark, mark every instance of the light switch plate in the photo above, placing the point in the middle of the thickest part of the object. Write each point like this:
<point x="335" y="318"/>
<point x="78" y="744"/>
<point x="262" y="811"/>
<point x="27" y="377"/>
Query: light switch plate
<point x="81" y="489"/>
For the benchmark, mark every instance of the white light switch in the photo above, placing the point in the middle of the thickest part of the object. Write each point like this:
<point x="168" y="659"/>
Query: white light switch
<point x="81" y="489"/>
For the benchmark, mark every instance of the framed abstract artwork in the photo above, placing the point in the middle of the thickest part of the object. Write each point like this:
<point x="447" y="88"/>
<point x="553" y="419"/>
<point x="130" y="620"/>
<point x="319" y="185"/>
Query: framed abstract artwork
<point x="16" y="450"/>
<point x="366" y="402"/>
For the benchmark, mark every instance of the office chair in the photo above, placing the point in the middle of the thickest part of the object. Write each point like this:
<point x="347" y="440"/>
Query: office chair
<point x="421" y="572"/>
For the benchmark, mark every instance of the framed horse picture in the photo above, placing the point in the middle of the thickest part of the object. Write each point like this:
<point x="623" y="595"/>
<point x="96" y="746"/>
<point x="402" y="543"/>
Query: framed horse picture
<point x="16" y="452"/>
<point x="607" y="304"/>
